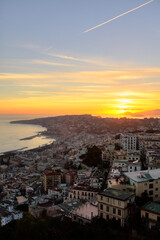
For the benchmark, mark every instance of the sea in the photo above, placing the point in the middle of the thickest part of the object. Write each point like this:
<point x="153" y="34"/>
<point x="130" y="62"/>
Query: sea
<point x="21" y="137"/>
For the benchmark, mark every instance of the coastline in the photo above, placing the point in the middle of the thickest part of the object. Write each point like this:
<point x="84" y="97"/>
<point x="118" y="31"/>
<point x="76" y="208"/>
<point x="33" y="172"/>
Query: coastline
<point x="40" y="134"/>
<point x="39" y="122"/>
<point x="24" y="149"/>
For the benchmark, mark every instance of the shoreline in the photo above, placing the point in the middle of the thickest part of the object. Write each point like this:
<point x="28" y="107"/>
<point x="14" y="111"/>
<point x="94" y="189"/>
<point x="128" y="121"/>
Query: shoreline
<point x="42" y="134"/>
<point x="24" y="149"/>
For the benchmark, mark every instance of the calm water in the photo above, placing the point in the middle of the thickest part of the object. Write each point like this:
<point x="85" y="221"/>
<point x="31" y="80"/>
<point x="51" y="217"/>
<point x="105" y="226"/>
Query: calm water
<point x="10" y="134"/>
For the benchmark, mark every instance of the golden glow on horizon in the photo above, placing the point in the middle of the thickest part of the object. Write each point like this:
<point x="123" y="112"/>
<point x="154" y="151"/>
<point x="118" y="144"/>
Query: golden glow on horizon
<point x="92" y="92"/>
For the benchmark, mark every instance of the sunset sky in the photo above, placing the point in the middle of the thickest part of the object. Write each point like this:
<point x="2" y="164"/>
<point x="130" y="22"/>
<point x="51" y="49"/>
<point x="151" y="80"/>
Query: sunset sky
<point x="80" y="56"/>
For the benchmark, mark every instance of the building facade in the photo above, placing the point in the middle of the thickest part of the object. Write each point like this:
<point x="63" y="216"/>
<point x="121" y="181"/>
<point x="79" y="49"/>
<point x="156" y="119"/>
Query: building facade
<point x="128" y="142"/>
<point x="114" y="204"/>
<point x="150" y="214"/>
<point x="51" y="178"/>
<point x="147" y="181"/>
<point x="83" y="192"/>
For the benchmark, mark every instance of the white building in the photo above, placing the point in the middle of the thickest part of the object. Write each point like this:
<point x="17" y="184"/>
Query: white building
<point x="134" y="166"/>
<point x="17" y="215"/>
<point x="5" y="216"/>
<point x="128" y="142"/>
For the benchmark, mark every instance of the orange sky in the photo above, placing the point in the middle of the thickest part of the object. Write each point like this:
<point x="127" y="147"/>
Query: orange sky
<point x="112" y="92"/>
<point x="60" y="57"/>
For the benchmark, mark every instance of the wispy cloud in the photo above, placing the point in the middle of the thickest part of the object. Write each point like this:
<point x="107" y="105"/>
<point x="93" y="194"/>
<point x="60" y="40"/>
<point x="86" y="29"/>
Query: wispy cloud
<point x="99" y="25"/>
<point x="110" y="76"/>
<point x="68" y="59"/>
<point x="52" y="63"/>
<point x="84" y="60"/>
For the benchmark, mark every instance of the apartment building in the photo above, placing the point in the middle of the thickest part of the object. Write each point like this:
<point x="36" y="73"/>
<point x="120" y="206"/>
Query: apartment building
<point x="134" y="166"/>
<point x="128" y="142"/>
<point x="70" y="177"/>
<point x="133" y="156"/>
<point x="113" y="203"/>
<point x="150" y="214"/>
<point x="145" y="181"/>
<point x="51" y="178"/>
<point x="147" y="141"/>
<point x="83" y="192"/>
<point x="153" y="157"/>
<point x="151" y="143"/>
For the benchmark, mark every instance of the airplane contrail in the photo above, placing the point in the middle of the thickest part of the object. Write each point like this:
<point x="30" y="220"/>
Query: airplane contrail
<point x="118" y="16"/>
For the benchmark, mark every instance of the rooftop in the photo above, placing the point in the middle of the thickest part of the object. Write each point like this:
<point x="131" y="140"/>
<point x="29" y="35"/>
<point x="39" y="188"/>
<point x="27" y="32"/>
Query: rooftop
<point x="50" y="172"/>
<point x="117" y="194"/>
<point x="87" y="211"/>
<point x="152" y="207"/>
<point x="69" y="206"/>
<point x="143" y="176"/>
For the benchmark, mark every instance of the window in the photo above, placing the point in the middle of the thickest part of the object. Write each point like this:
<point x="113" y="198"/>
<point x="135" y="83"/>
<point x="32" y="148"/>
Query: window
<point x="101" y="206"/>
<point x="150" y="185"/>
<point x="114" y="210"/>
<point x="107" y="208"/>
<point x="156" y="196"/>
<point x="114" y="201"/>
<point x="146" y="215"/>
<point x="156" y="182"/>
<point x="145" y="184"/>
<point x="101" y="197"/>
<point x="107" y="199"/>
<point x="119" y="212"/>
<point x="150" y="192"/>
<point x="119" y="203"/>
<point x="156" y="189"/>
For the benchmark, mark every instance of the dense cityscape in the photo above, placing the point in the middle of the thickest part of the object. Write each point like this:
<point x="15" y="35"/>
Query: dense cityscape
<point x="95" y="169"/>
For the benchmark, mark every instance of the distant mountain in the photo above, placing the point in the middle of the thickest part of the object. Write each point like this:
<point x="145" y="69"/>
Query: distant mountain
<point x="150" y="113"/>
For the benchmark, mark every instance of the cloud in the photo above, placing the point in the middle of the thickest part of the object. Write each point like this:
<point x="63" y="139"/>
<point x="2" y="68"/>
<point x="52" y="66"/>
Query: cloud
<point x="117" y="17"/>
<point x="53" y="63"/>
<point x="85" y="60"/>
<point x="108" y="77"/>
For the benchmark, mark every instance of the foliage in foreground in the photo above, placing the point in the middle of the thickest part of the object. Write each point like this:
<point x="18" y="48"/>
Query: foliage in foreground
<point x="47" y="228"/>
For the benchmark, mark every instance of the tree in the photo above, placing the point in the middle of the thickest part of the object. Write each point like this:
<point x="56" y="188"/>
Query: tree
<point x="93" y="157"/>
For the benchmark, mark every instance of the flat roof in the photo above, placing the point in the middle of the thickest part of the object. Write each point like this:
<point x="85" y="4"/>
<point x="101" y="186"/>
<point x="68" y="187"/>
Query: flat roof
<point x="143" y="176"/>
<point x="117" y="194"/>
<point x="21" y="199"/>
<point x="87" y="211"/>
<point x="152" y="207"/>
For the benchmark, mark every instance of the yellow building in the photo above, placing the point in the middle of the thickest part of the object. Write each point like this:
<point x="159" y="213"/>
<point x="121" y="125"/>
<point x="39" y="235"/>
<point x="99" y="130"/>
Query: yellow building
<point x="51" y="178"/>
<point x="113" y="203"/>
<point x="150" y="214"/>
<point x="145" y="181"/>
